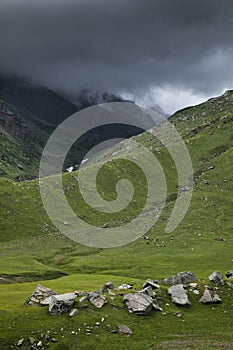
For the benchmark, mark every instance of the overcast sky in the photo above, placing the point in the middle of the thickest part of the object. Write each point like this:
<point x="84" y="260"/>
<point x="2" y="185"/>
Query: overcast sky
<point x="171" y="52"/>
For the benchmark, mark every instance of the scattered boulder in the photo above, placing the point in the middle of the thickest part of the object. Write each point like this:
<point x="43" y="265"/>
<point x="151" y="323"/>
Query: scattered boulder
<point x="229" y="274"/>
<point x="150" y="283"/>
<point x="61" y="303"/>
<point x="180" y="278"/>
<point x="97" y="299"/>
<point x="217" y="278"/>
<point x="40" y="293"/>
<point x="179" y="295"/>
<point x="125" y="330"/>
<point x="208" y="299"/>
<point x="108" y="286"/>
<point x="138" y="303"/>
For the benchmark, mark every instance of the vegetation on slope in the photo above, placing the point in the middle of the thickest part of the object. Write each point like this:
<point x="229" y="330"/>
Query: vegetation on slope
<point x="31" y="247"/>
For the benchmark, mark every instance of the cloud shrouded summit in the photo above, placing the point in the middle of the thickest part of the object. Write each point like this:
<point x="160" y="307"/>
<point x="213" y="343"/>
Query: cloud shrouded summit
<point x="172" y="52"/>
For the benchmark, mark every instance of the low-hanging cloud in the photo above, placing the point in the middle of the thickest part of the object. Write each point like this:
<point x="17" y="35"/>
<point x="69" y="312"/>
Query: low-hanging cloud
<point x="131" y="46"/>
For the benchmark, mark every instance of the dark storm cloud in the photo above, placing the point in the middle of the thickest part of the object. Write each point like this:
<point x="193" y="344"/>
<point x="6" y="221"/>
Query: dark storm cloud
<point x="128" y="45"/>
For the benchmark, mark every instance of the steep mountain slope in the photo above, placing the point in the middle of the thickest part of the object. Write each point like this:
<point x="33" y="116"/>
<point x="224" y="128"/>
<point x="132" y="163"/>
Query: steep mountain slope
<point x="22" y="139"/>
<point x="38" y="101"/>
<point x="29" y="114"/>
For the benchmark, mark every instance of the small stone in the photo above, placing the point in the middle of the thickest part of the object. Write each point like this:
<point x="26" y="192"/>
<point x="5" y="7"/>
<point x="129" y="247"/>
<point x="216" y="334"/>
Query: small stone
<point x="196" y="292"/>
<point x="84" y="298"/>
<point x="125" y="330"/>
<point x="156" y="307"/>
<point x="125" y="286"/>
<point x="31" y="340"/>
<point x="40" y="344"/>
<point x="20" y="342"/>
<point x="73" y="312"/>
<point x="47" y="337"/>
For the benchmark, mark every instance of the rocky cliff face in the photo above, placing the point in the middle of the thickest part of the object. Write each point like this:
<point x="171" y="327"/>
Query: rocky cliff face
<point x="11" y="123"/>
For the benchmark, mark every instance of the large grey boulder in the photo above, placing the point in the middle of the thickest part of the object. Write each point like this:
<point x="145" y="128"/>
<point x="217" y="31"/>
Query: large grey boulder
<point x="208" y="299"/>
<point x="39" y="295"/>
<point x="61" y="303"/>
<point x="97" y="299"/>
<point x="217" y="278"/>
<point x="180" y="278"/>
<point x="138" y="303"/>
<point x="179" y="295"/>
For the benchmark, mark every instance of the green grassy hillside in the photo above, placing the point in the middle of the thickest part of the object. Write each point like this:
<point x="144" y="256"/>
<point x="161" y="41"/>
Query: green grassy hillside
<point x="32" y="249"/>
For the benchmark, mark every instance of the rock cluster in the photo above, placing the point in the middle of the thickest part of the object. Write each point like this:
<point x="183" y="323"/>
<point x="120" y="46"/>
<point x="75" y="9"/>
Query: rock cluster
<point x="139" y="302"/>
